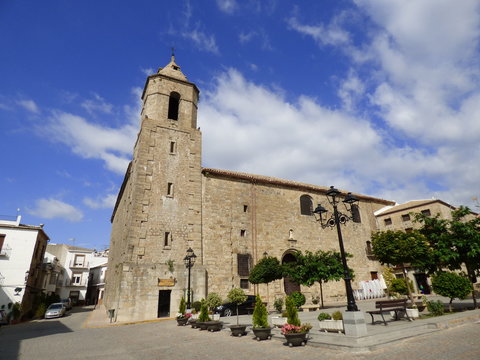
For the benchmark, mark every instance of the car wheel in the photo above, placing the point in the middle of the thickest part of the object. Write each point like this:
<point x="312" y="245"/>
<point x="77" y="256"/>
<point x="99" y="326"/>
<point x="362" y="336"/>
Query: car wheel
<point x="227" y="312"/>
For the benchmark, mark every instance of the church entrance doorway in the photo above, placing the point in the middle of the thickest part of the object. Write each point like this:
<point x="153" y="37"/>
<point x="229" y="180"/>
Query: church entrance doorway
<point x="164" y="303"/>
<point x="288" y="284"/>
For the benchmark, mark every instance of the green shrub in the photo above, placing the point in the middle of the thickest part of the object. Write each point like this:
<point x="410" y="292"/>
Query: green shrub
<point x="197" y="305"/>
<point x="237" y="296"/>
<point x="213" y="300"/>
<point x="337" y="315"/>
<point x="398" y="286"/>
<point x="324" y="316"/>
<point x="40" y="312"/>
<point x="16" y="311"/>
<point x="203" y="317"/>
<point x="260" y="316"/>
<point x="435" y="307"/>
<point x="292" y="313"/>
<point x="298" y="298"/>
<point x="278" y="304"/>
<point x="451" y="285"/>
<point x="182" y="307"/>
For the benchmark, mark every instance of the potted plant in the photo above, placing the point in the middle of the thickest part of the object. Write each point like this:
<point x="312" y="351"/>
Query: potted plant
<point x="182" y="317"/>
<point x="237" y="296"/>
<point x="261" y="328"/>
<point x="196" y="305"/>
<point x="332" y="322"/>
<point x="213" y="300"/>
<point x="203" y="318"/>
<point x="281" y="319"/>
<point x="295" y="333"/>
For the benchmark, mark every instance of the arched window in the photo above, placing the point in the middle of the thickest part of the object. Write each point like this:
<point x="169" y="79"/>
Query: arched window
<point x="173" y="103"/>
<point x="306" y="205"/>
<point x="356" y="214"/>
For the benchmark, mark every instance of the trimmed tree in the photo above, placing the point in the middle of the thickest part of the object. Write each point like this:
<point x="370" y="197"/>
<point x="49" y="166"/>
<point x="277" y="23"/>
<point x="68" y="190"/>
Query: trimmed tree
<point x="399" y="248"/>
<point x="213" y="300"/>
<point x="237" y="296"/>
<point x="266" y="270"/>
<point x="321" y="267"/>
<point x="455" y="243"/>
<point x="451" y="285"/>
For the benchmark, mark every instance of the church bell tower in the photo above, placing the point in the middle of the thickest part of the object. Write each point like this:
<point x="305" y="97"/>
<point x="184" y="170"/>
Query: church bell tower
<point x="157" y="216"/>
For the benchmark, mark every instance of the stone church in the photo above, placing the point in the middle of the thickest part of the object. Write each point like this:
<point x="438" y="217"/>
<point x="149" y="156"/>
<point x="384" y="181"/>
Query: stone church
<point x="169" y="203"/>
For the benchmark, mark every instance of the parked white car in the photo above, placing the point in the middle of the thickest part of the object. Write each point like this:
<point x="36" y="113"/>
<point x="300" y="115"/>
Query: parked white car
<point x="55" y="310"/>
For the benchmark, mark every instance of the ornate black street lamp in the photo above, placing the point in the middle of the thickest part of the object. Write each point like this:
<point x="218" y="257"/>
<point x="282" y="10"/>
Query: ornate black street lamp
<point x="189" y="261"/>
<point x="335" y="220"/>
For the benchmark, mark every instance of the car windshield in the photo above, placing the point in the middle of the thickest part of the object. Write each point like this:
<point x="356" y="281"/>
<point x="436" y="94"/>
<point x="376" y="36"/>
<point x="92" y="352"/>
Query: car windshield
<point x="55" y="307"/>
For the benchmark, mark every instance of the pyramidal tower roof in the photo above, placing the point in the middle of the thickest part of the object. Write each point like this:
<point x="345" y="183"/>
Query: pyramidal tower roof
<point x="172" y="70"/>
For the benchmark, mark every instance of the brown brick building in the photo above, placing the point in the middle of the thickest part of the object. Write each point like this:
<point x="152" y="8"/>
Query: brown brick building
<point x="169" y="203"/>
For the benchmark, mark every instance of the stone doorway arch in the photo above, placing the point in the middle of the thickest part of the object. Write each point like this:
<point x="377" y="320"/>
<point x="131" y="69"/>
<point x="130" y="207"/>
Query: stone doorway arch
<point x="288" y="284"/>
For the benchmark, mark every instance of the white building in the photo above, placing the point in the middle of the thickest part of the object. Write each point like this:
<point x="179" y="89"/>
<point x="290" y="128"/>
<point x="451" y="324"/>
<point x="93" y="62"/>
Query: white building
<point x="96" y="283"/>
<point x="73" y="279"/>
<point x="22" y="248"/>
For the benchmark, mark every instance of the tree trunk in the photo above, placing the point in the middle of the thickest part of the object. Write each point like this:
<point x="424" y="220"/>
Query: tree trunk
<point x="471" y="276"/>
<point x="450" y="305"/>
<point x="409" y="291"/>
<point x="321" y="292"/>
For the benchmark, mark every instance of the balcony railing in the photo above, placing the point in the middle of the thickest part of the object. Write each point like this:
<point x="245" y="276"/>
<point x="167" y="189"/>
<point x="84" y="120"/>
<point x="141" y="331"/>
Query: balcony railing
<point x="79" y="265"/>
<point x="5" y="251"/>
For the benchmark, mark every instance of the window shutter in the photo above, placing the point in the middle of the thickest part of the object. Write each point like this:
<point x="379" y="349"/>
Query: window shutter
<point x="243" y="261"/>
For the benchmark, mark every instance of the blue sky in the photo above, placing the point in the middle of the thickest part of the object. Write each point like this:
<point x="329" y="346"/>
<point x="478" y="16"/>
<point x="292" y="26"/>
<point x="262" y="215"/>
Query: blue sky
<point x="375" y="97"/>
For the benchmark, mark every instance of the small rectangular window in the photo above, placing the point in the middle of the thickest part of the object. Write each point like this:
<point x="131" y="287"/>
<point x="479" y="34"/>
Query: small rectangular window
<point x="388" y="221"/>
<point x="173" y="147"/>
<point x="406" y="217"/>
<point x="170" y="189"/>
<point x="244" y="284"/>
<point x="243" y="233"/>
<point x="167" y="240"/>
<point x="245" y="208"/>
<point x="426" y="212"/>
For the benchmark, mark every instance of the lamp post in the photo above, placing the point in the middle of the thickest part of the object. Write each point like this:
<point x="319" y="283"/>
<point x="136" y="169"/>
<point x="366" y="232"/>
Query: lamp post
<point x="189" y="261"/>
<point x="335" y="220"/>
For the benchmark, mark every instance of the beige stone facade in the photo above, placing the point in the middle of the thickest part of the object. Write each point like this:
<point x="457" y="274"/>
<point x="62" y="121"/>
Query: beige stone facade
<point x="169" y="203"/>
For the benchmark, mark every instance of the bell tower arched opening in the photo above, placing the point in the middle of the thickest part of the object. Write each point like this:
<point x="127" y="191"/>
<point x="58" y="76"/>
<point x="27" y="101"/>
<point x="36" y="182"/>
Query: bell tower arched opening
<point x="173" y="104"/>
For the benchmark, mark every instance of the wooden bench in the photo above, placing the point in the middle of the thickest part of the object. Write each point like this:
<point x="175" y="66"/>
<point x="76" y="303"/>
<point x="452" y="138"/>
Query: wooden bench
<point x="384" y="306"/>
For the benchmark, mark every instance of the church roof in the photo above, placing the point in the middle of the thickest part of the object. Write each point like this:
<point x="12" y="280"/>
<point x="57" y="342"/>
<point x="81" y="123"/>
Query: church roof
<point x="268" y="180"/>
<point x="172" y="70"/>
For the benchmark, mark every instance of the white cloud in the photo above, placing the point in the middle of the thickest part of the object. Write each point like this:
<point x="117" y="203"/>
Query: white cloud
<point x="227" y="6"/>
<point x="29" y="105"/>
<point x="195" y="32"/>
<point x="419" y="68"/>
<point x="108" y="201"/>
<point x="97" y="104"/>
<point x="331" y="34"/>
<point x="51" y="208"/>
<point x="90" y="140"/>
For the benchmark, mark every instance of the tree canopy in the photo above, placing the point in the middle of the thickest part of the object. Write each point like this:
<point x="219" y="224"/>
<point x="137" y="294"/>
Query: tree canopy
<point x="266" y="270"/>
<point x="321" y="266"/>
<point x="399" y="248"/>
<point x="454" y="243"/>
